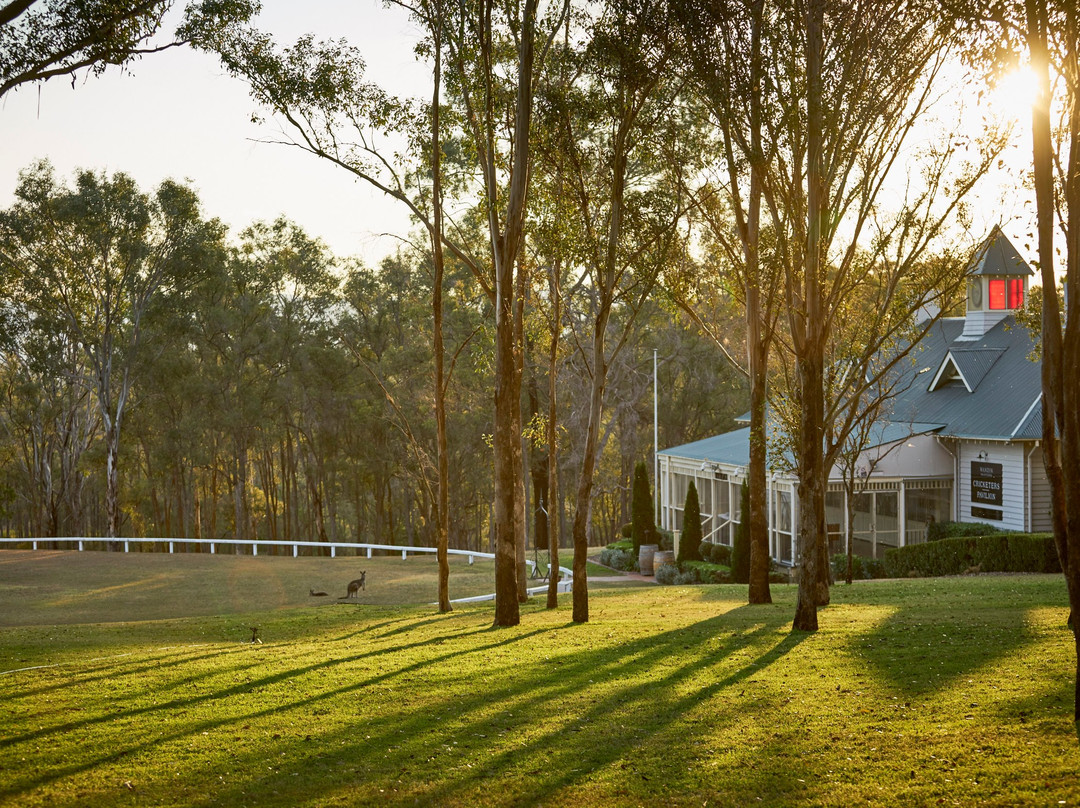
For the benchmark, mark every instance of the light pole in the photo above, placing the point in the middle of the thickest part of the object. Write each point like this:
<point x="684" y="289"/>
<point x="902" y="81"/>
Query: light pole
<point x="656" y="443"/>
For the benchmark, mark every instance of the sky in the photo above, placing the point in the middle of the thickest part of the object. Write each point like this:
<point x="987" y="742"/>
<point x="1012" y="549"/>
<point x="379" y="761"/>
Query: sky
<point x="178" y="115"/>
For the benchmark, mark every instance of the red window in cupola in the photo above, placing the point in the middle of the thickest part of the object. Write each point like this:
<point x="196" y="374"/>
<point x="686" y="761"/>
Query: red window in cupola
<point x="1006" y="294"/>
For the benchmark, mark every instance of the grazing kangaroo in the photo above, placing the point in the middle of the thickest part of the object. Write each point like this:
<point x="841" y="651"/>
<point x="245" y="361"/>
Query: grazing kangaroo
<point x="356" y="586"/>
<point x="315" y="594"/>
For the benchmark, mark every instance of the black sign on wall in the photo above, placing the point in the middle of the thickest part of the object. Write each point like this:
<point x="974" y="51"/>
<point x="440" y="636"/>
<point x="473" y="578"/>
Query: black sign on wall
<point x="985" y="483"/>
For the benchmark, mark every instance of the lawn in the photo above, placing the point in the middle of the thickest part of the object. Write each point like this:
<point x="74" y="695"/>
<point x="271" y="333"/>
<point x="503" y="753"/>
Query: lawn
<point x="915" y="692"/>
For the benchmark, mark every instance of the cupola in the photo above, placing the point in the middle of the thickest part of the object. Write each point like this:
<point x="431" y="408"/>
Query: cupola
<point x="997" y="284"/>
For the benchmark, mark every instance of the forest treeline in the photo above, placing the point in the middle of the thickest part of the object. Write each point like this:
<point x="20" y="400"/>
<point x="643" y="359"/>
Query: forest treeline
<point x="795" y="179"/>
<point x="273" y="390"/>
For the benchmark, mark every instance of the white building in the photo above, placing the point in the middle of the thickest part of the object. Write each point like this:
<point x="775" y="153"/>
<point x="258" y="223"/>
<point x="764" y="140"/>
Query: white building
<point x="962" y="442"/>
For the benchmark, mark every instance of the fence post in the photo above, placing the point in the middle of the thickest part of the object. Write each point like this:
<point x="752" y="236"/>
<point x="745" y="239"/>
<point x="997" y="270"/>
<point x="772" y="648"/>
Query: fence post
<point x="80" y="545"/>
<point x="254" y="549"/>
<point x="212" y="548"/>
<point x="369" y="552"/>
<point x="294" y="551"/>
<point x="403" y="555"/>
<point x="127" y="547"/>
<point x="471" y="559"/>
<point x="333" y="551"/>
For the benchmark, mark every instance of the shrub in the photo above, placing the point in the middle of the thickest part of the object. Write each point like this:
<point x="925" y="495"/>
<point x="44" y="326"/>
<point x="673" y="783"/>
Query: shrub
<point x="666" y="574"/>
<point x="618" y="559"/>
<point x="686" y="577"/>
<point x="680" y="575"/>
<point x="717" y="554"/>
<point x="627" y="531"/>
<point x="1004" y="552"/>
<point x="621" y="544"/>
<point x="861" y="568"/>
<point x="708" y="572"/>
<point x="690" y="543"/>
<point x="643" y="523"/>
<point x="954" y="530"/>
<point x="665" y="539"/>
<point x="740" y="554"/>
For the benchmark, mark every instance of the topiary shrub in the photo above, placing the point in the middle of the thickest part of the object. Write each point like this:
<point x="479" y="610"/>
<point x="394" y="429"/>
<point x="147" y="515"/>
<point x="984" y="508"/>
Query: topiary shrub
<point x="627" y="531"/>
<point x="642" y="521"/>
<point x="740" y="553"/>
<point x="690" y="543"/>
<point x="718" y="554"/>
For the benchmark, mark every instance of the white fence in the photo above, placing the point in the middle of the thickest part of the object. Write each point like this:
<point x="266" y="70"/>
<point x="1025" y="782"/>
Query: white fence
<point x="79" y="543"/>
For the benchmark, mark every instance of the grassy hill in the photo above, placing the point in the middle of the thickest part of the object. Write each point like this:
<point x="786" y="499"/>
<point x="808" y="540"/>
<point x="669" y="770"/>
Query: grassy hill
<point x="915" y="692"/>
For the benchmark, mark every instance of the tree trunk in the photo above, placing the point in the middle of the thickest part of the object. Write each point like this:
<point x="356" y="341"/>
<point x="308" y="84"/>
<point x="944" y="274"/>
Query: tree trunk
<point x="552" y="437"/>
<point x="809" y="341"/>
<point x="1070" y="360"/>
<point x="442" y="525"/>
<point x="112" y="483"/>
<point x="758" y="525"/>
<point x="519" y="448"/>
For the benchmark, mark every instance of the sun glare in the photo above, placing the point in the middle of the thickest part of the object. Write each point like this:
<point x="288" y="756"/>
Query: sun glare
<point x="1016" y="91"/>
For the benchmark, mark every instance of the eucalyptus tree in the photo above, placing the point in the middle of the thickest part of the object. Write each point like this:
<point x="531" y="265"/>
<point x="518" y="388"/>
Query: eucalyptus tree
<point x="94" y="257"/>
<point x="47" y="423"/>
<point x="727" y="56"/>
<point x="629" y="145"/>
<point x="320" y="91"/>
<point x="855" y="79"/>
<point x="1045" y="33"/>
<point x="43" y="39"/>
<point x="253" y="318"/>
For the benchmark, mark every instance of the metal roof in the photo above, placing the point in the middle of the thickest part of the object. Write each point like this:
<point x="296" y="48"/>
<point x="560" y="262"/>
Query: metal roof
<point x="974" y="363"/>
<point x="731" y="448"/>
<point x="1006" y="386"/>
<point x="997" y="256"/>
<point x="1004" y="381"/>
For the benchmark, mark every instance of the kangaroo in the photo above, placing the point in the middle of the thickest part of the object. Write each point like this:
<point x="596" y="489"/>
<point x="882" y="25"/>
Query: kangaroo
<point x="356" y="586"/>
<point x="315" y="594"/>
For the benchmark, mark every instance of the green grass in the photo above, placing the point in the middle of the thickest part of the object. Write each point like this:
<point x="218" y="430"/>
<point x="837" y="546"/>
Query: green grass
<point x="916" y="692"/>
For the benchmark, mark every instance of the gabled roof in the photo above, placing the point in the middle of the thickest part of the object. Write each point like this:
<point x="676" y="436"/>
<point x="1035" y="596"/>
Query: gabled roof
<point x="1000" y="385"/>
<point x="997" y="256"/>
<point x="999" y="399"/>
<point x="971" y="364"/>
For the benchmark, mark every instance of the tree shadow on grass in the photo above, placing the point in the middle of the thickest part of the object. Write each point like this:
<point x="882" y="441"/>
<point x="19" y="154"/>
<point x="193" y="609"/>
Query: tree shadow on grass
<point x="185" y="703"/>
<point x="929" y="641"/>
<point x="563" y="720"/>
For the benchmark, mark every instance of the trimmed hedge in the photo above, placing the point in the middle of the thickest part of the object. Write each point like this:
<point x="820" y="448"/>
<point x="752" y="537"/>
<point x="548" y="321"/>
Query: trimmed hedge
<point x="861" y="568"/>
<point x="1005" y="552"/>
<point x="956" y="530"/>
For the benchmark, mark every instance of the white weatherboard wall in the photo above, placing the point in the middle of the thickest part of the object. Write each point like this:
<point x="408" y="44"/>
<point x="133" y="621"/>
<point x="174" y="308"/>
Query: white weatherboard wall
<point x="1040" y="494"/>
<point x="1013" y="481"/>
<point x="913" y="457"/>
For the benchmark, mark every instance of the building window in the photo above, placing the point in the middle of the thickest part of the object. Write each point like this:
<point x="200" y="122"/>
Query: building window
<point x="1006" y="294"/>
<point x="1016" y="293"/>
